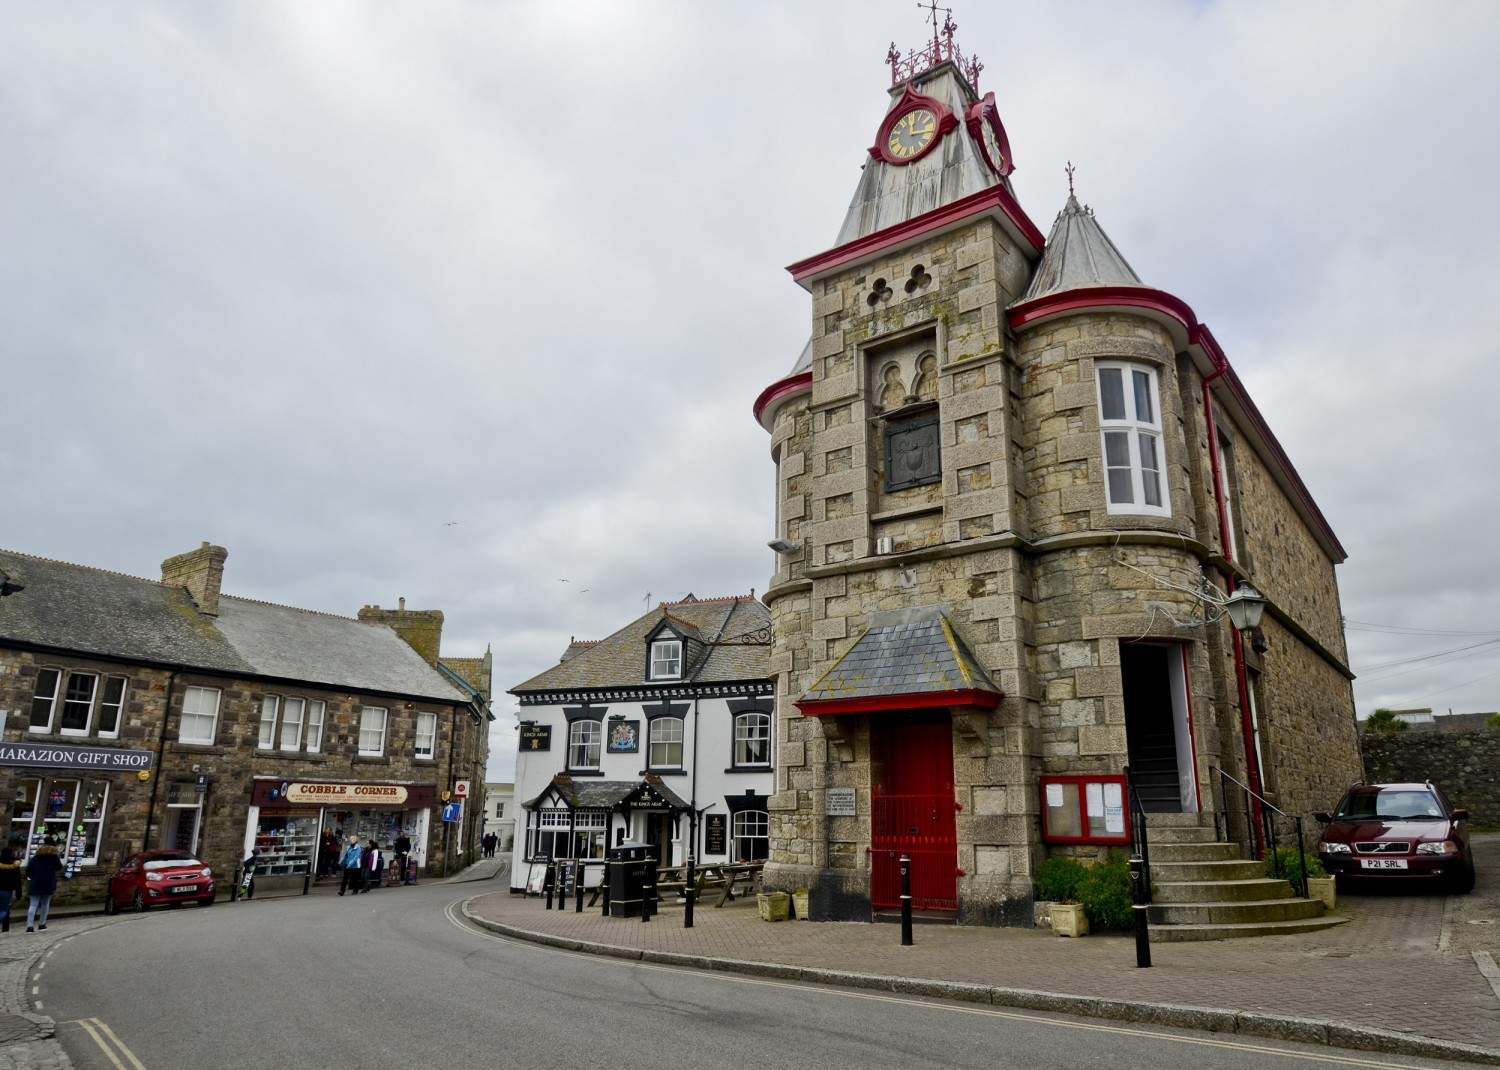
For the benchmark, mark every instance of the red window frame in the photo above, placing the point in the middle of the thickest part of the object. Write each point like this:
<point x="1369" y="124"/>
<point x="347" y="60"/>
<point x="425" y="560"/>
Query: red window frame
<point x="1078" y="782"/>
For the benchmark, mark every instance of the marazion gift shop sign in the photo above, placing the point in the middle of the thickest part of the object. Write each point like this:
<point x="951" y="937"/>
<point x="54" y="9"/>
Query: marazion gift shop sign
<point x="57" y="756"/>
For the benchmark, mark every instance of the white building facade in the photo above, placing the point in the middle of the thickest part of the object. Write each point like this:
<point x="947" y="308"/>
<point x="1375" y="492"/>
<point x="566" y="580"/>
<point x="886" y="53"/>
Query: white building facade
<point x="500" y="813"/>
<point x="661" y="733"/>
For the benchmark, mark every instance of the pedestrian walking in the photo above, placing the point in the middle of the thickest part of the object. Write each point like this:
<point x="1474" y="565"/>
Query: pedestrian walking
<point x="41" y="882"/>
<point x="403" y="856"/>
<point x="328" y="853"/>
<point x="10" y="885"/>
<point x="350" y="863"/>
<point x="374" y="863"/>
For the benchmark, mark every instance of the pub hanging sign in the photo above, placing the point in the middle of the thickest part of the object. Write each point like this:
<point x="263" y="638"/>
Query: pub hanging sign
<point x="536" y="737"/>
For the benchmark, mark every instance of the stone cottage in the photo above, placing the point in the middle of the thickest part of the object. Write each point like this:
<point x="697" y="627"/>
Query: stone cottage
<point x="1015" y="486"/>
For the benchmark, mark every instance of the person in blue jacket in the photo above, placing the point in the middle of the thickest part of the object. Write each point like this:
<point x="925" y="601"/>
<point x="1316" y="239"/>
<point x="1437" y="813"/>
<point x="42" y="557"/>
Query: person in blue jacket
<point x="41" y="882"/>
<point x="350" y="863"/>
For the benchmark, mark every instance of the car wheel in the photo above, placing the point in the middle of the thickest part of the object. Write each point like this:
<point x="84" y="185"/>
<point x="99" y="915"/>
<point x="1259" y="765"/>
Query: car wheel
<point x="110" y="906"/>
<point x="138" y="902"/>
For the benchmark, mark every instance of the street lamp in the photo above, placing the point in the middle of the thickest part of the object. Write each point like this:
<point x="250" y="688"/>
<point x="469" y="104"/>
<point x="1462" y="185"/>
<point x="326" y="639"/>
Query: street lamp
<point x="1245" y="607"/>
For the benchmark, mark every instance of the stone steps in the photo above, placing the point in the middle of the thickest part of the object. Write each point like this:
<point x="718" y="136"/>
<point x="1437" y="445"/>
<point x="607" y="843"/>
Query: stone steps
<point x="1243" y="912"/>
<point x="1180" y="933"/>
<point x="1174" y="834"/>
<point x="1194" y="852"/>
<point x="1229" y="870"/>
<point x="1220" y="891"/>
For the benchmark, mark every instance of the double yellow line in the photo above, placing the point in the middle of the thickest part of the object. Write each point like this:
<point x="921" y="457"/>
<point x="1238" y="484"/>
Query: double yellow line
<point x="110" y="1044"/>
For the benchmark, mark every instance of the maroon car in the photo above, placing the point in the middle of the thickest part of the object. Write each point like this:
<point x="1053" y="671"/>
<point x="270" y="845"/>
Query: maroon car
<point x="1398" y="832"/>
<point x="152" y="878"/>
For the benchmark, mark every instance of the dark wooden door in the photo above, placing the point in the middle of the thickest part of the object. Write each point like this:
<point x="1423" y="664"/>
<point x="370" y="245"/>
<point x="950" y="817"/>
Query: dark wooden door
<point x="912" y="808"/>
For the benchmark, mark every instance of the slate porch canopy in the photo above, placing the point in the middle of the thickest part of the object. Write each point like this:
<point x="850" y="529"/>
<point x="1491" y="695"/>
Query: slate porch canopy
<point x="907" y="660"/>
<point x="618" y="795"/>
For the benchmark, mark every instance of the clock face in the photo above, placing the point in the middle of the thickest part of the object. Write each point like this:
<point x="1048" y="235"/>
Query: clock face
<point x="912" y="133"/>
<point x="992" y="148"/>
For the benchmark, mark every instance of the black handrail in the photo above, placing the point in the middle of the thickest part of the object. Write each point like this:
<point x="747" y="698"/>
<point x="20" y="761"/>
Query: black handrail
<point x="1140" y="844"/>
<point x="1269" y="812"/>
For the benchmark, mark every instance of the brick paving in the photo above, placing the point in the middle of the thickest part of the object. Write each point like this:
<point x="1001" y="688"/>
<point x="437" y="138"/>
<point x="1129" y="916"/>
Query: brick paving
<point x="1388" y="968"/>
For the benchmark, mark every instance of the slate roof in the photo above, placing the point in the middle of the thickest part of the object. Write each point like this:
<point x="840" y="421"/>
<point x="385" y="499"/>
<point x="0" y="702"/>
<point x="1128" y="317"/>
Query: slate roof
<point x="589" y="794"/>
<point x="910" y="652"/>
<point x="620" y="659"/>
<point x="92" y="611"/>
<point x="1078" y="254"/>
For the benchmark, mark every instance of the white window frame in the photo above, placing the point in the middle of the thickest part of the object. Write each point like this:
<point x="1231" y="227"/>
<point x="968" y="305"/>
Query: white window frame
<point x="743" y="737"/>
<point x="313" y="734"/>
<point x="101" y="705"/>
<point x="88" y="713"/>
<point x="738" y="830"/>
<point x="270" y="709"/>
<point x="365" y="730"/>
<point x="666" y="659"/>
<point x="287" y="722"/>
<point x="51" y="700"/>
<point x="586" y="748"/>
<point x="1232" y="551"/>
<point x="192" y="696"/>
<point x="418" y="751"/>
<point x="190" y="790"/>
<point x="69" y="821"/>
<point x="1134" y="429"/>
<point x="655" y="728"/>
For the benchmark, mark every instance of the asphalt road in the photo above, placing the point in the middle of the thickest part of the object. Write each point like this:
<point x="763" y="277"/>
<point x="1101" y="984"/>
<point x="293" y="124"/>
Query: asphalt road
<point x="395" y="978"/>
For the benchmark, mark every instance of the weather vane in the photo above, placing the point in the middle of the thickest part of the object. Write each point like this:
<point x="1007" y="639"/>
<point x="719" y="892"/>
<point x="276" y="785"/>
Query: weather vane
<point x="1069" y="169"/>
<point x="932" y="9"/>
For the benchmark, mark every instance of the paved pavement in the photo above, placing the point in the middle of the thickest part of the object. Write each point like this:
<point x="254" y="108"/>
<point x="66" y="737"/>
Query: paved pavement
<point x="1403" y="962"/>
<point x="397" y="978"/>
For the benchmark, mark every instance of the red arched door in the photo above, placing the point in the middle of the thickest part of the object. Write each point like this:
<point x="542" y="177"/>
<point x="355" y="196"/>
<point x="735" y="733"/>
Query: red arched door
<point x="911" y="811"/>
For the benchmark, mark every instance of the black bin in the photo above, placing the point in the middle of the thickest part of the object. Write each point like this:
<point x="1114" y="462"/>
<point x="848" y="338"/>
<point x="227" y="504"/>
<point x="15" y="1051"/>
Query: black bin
<point x="631" y="872"/>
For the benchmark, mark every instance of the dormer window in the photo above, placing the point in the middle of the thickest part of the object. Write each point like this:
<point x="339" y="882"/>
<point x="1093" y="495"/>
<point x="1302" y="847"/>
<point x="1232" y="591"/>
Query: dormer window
<point x="666" y="659"/>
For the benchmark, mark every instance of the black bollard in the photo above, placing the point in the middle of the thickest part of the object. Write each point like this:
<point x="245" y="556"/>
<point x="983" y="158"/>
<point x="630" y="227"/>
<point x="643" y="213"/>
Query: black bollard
<point x="604" y="896"/>
<point x="306" y="880"/>
<point x="687" y="891"/>
<point x="905" y="901"/>
<point x="578" y="886"/>
<point x="1140" y="908"/>
<point x="549" y="881"/>
<point x="648" y="892"/>
<point x="234" y="890"/>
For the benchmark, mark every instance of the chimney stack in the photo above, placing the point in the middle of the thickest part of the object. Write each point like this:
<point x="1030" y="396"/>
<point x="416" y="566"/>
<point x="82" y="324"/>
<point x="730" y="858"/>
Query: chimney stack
<point x="201" y="571"/>
<point x="421" y="628"/>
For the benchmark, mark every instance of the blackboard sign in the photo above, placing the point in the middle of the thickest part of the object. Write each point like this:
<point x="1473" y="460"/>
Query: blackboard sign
<point x="536" y="737"/>
<point x="715" y="834"/>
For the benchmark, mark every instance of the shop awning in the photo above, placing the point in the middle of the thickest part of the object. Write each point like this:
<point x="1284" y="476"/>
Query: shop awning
<point x="909" y="660"/>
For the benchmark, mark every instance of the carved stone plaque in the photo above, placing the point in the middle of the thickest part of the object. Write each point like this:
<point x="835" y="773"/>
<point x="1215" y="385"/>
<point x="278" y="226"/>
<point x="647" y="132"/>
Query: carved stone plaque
<point x="911" y="452"/>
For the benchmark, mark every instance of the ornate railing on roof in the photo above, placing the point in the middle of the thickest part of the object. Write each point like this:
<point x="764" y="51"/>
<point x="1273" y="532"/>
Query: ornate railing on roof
<point x="941" y="49"/>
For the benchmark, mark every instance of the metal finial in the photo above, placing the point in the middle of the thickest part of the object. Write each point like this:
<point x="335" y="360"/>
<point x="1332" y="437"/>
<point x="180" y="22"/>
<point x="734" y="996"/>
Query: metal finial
<point x="1070" y="169"/>
<point x="932" y="9"/>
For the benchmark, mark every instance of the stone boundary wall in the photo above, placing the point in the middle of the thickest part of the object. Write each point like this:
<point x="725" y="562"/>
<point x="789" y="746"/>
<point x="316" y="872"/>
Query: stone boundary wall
<point x="1466" y="765"/>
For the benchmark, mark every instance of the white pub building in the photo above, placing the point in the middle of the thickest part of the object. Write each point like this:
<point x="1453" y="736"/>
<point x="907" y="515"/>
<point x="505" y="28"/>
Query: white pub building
<point x="660" y="734"/>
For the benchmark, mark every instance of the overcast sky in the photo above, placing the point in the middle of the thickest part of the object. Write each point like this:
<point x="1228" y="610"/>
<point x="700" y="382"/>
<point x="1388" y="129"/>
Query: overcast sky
<point x="468" y="302"/>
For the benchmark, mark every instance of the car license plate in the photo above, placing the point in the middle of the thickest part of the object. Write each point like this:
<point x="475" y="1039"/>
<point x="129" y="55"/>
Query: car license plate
<point x="1383" y="863"/>
<point x="194" y="887"/>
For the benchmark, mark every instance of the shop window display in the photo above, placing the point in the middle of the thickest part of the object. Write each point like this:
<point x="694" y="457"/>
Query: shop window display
<point x="286" y="843"/>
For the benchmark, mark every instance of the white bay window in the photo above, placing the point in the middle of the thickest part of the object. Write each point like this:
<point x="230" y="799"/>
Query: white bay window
<point x="1130" y="425"/>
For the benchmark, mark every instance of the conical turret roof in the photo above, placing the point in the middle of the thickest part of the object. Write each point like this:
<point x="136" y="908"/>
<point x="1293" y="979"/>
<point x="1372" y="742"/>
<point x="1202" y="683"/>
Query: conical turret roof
<point x="1079" y="255"/>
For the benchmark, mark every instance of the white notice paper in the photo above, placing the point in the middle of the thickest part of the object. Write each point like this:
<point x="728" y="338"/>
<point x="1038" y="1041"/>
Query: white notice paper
<point x="1114" y="811"/>
<point x="1096" y="799"/>
<point x="1054" y="796"/>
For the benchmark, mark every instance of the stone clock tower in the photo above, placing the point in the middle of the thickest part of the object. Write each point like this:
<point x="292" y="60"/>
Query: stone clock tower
<point x="1015" y="489"/>
<point x="903" y="724"/>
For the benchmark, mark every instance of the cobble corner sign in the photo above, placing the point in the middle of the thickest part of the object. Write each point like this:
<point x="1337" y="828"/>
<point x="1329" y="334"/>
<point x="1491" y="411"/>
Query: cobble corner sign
<point x="57" y="756"/>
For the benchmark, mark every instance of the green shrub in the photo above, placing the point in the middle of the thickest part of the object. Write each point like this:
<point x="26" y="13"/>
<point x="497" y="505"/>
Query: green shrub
<point x="1494" y="721"/>
<point x="1285" y="864"/>
<point x="1384" y="722"/>
<point x="1104" y="891"/>
<point x="1057" y="880"/>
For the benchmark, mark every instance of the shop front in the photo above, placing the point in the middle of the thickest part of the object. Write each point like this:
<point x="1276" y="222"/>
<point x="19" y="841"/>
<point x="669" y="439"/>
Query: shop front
<point x="293" y="825"/>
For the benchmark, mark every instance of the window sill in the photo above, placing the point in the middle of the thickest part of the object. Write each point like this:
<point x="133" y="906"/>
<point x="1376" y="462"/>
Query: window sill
<point x="663" y="772"/>
<point x="906" y="512"/>
<point x="583" y="772"/>
<point x="748" y="769"/>
<point x="372" y="759"/>
<point x="200" y="748"/>
<point x="293" y="755"/>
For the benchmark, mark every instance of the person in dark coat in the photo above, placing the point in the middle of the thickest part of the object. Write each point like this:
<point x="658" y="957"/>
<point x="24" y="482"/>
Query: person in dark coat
<point x="41" y="880"/>
<point x="403" y="855"/>
<point x="374" y="865"/>
<point x="10" y="885"/>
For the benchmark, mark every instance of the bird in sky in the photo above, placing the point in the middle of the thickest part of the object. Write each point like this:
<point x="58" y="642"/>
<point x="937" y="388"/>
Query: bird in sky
<point x="450" y="523"/>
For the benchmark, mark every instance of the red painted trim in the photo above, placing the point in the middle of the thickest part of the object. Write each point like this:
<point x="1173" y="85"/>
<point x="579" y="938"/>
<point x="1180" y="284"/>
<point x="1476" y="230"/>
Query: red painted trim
<point x="1187" y="693"/>
<point x="984" y="111"/>
<point x="1141" y="297"/>
<point x="911" y="101"/>
<point x="792" y="384"/>
<point x="993" y="198"/>
<point x="1077" y="782"/>
<point x="924" y="700"/>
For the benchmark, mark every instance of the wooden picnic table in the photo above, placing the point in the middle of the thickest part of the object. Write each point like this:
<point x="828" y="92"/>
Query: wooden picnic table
<point x="725" y="878"/>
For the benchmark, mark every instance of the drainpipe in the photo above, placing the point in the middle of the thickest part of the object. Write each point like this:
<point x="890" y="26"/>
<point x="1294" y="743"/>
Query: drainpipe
<point x="161" y="746"/>
<point x="1237" y="642"/>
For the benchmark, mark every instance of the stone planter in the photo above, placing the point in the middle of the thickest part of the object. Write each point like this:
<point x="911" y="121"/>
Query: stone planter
<point x="773" y="905"/>
<point x="800" y="906"/>
<point x="1068" y="919"/>
<point x="1322" y="888"/>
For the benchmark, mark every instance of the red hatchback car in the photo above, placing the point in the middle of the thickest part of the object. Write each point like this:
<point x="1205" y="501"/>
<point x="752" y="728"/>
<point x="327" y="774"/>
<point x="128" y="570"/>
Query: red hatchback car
<point x="1398" y="832"/>
<point x="152" y="878"/>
